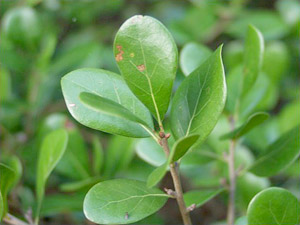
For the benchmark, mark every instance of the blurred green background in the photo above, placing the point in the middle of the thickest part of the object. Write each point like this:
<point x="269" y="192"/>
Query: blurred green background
<point x="42" y="40"/>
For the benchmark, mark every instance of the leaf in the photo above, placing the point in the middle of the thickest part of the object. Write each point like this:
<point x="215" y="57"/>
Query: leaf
<point x="279" y="155"/>
<point x="78" y="185"/>
<point x="192" y="56"/>
<point x="149" y="151"/>
<point x="252" y="122"/>
<point x="107" y="85"/>
<point x="274" y="206"/>
<point x="157" y="175"/>
<point x="52" y="150"/>
<point x="200" y="99"/>
<point x="98" y="156"/>
<point x="7" y="178"/>
<point x="146" y="55"/>
<point x="181" y="147"/>
<point x="121" y="201"/>
<point x="254" y="48"/>
<point x="116" y="112"/>
<point x="200" y="197"/>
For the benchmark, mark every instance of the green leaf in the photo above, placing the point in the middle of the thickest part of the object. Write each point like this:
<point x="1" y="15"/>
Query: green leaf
<point x="254" y="47"/>
<point x="122" y="201"/>
<point x="181" y="147"/>
<point x="151" y="152"/>
<point x="116" y="112"/>
<point x="157" y="175"/>
<point x="274" y="206"/>
<point x="252" y="122"/>
<point x="7" y="178"/>
<point x="110" y="86"/>
<point x="147" y="58"/>
<point x="192" y="56"/>
<point x="98" y="156"/>
<point x="279" y="155"/>
<point x="5" y="85"/>
<point x="78" y="185"/>
<point x="199" y="97"/>
<point x="200" y="197"/>
<point x="52" y="150"/>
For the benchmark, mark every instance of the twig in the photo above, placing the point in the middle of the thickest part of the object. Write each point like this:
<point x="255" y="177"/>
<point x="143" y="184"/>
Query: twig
<point x="176" y="180"/>
<point x="12" y="220"/>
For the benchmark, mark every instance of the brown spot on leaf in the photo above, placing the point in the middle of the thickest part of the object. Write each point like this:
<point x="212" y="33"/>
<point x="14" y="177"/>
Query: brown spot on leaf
<point x="119" y="56"/>
<point x="131" y="54"/>
<point x="141" y="67"/>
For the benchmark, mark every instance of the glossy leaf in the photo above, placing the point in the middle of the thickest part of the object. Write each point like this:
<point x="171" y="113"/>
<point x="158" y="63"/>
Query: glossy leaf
<point x="52" y="150"/>
<point x="147" y="58"/>
<point x="117" y="113"/>
<point x="199" y="97"/>
<point x="110" y="86"/>
<point x="200" y="197"/>
<point x="279" y="155"/>
<point x="181" y="147"/>
<point x="252" y="122"/>
<point x="274" y="206"/>
<point x="150" y="152"/>
<point x="192" y="56"/>
<point x="122" y="201"/>
<point x="7" y="178"/>
<point x="157" y="175"/>
<point x="254" y="47"/>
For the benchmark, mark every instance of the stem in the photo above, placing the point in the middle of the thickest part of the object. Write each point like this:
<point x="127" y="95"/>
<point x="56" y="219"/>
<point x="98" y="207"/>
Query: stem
<point x="177" y="183"/>
<point x="10" y="219"/>
<point x="232" y="179"/>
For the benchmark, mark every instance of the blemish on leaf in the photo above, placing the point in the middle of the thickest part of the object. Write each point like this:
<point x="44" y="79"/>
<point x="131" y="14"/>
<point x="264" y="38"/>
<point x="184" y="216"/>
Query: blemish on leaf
<point x="119" y="56"/>
<point x="126" y="216"/>
<point x="141" y="67"/>
<point x="131" y="55"/>
<point x="72" y="105"/>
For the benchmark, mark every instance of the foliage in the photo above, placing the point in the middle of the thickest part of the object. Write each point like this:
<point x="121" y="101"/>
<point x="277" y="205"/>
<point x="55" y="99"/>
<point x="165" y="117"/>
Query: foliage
<point x="109" y="116"/>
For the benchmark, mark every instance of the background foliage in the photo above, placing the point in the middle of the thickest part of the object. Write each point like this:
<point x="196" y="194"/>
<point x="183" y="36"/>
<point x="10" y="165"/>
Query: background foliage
<point x="41" y="41"/>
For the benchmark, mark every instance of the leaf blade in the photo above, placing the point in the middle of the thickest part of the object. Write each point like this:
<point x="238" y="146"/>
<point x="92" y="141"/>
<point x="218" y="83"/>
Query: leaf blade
<point x="189" y="114"/>
<point x="200" y="197"/>
<point x="274" y="206"/>
<point x="279" y="155"/>
<point x="157" y="174"/>
<point x="181" y="147"/>
<point x="147" y="59"/>
<point x="135" y="201"/>
<point x="107" y="85"/>
<point x="253" y="121"/>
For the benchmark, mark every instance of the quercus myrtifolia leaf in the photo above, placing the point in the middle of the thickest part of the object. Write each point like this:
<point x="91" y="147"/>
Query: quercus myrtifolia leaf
<point x="274" y="206"/>
<point x="51" y="151"/>
<point x="279" y="155"/>
<point x="7" y="176"/>
<point x="122" y="201"/>
<point x="146" y="55"/>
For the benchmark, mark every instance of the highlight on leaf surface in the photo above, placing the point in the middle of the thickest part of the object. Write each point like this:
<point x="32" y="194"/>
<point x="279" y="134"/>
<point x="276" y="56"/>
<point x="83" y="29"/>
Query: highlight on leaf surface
<point x="146" y="55"/>
<point x="122" y="201"/>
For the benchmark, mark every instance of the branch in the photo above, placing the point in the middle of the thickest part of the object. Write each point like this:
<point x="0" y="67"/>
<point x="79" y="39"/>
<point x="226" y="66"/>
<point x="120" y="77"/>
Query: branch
<point x="176" y="180"/>
<point x="12" y="220"/>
